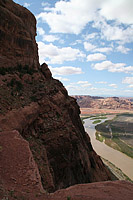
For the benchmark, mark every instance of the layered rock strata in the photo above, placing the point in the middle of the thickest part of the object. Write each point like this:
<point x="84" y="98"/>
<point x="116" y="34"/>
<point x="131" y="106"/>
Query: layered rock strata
<point x="17" y="35"/>
<point x="114" y="103"/>
<point x="53" y="144"/>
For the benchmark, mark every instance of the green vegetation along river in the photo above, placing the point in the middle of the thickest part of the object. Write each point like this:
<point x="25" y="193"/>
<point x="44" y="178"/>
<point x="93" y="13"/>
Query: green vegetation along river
<point x="117" y="133"/>
<point x="119" y="159"/>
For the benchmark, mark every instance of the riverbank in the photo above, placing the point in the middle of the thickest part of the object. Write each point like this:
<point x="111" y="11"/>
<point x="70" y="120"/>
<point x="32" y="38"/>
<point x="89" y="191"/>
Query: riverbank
<point x="117" y="172"/>
<point x="117" y="133"/>
<point x="120" y="160"/>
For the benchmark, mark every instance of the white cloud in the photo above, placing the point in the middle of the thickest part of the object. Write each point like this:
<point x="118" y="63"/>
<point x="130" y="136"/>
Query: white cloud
<point x="40" y="31"/>
<point x="96" y="57"/>
<point x="103" y="49"/>
<point x="93" y="88"/>
<point x="114" y="32"/>
<point x="113" y="85"/>
<point x="130" y="86"/>
<point x="113" y="67"/>
<point x="64" y="17"/>
<point x="120" y="10"/>
<point x="65" y="70"/>
<point x="72" y="16"/>
<point x="73" y="88"/>
<point x="90" y="36"/>
<point x="101" y="82"/>
<point x="45" y="4"/>
<point x="88" y="46"/>
<point x="61" y="79"/>
<point x="48" y="38"/>
<point x="75" y="16"/>
<point x="128" y="80"/>
<point x="82" y="82"/>
<point x="129" y="91"/>
<point x="27" y="5"/>
<point x="86" y="85"/>
<point x="122" y="49"/>
<point x="91" y="47"/>
<point x="53" y="54"/>
<point x="61" y="41"/>
<point x="117" y="33"/>
<point x="76" y="42"/>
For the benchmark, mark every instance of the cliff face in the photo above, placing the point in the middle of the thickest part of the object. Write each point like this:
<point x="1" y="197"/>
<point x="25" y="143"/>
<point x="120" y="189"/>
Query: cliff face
<point x="40" y="110"/>
<point x="114" y="103"/>
<point x="18" y="170"/>
<point x="17" y="33"/>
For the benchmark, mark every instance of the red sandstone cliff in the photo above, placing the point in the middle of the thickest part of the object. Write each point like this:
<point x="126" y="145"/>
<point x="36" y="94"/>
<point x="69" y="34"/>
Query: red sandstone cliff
<point x="17" y="35"/>
<point x="114" y="103"/>
<point x="42" y="140"/>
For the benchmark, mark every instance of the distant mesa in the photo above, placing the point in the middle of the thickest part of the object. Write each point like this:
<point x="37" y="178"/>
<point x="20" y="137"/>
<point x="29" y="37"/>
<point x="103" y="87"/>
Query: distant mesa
<point x="95" y="102"/>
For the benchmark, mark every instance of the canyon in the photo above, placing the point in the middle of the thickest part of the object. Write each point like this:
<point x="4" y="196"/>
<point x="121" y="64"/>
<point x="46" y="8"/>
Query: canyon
<point x="43" y="144"/>
<point x="111" y="103"/>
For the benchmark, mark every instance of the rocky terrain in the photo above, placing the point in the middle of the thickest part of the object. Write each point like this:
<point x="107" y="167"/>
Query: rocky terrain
<point x="115" y="103"/>
<point x="43" y="145"/>
<point x="96" y="191"/>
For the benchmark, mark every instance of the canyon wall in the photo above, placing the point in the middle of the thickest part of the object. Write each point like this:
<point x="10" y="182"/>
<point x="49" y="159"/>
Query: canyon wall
<point x="37" y="113"/>
<point x="96" y="102"/>
<point x="17" y="35"/>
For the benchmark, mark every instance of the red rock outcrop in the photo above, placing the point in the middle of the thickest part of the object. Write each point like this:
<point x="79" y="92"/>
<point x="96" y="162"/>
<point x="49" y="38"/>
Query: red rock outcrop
<point x="119" y="190"/>
<point x="39" y="108"/>
<point x="18" y="170"/>
<point x="17" y="35"/>
<point x="114" y="103"/>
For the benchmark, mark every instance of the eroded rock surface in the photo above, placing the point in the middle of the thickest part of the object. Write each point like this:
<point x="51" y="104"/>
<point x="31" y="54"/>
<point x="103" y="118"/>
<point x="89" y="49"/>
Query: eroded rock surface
<point x="114" y="103"/>
<point x="119" y="190"/>
<point x="53" y="148"/>
<point x="17" y="35"/>
<point x="18" y="170"/>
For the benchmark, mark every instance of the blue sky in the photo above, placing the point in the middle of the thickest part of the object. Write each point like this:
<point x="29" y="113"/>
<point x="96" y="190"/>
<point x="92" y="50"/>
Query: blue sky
<point x="87" y="44"/>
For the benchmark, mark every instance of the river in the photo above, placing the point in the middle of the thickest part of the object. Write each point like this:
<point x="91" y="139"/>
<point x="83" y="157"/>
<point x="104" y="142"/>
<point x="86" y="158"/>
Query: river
<point x="119" y="159"/>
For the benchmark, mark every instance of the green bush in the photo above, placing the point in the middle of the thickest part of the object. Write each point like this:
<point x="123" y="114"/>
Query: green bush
<point x="96" y="121"/>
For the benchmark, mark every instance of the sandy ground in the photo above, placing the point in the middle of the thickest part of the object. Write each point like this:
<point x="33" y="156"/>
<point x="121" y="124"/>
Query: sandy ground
<point x="90" y="111"/>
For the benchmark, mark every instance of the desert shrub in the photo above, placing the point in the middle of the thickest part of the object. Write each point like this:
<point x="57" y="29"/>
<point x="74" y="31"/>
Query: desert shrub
<point x="15" y="83"/>
<point x="58" y="115"/>
<point x="2" y="71"/>
<point x="19" y="68"/>
<point x="12" y="82"/>
<point x="19" y="86"/>
<point x="33" y="98"/>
